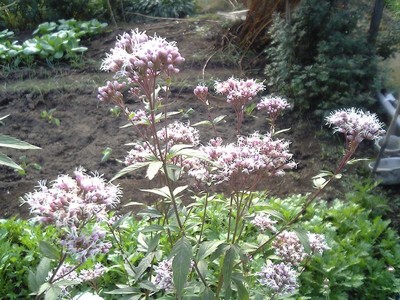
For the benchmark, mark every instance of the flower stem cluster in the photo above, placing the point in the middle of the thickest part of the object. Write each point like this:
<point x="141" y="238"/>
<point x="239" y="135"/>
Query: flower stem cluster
<point x="239" y="93"/>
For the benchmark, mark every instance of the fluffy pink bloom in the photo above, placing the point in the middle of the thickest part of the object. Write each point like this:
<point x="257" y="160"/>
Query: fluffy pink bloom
<point x="355" y="124"/>
<point x="287" y="245"/>
<point x="179" y="133"/>
<point x="317" y="243"/>
<point x="280" y="278"/>
<point x="73" y="201"/>
<point x="163" y="272"/>
<point x="273" y="106"/>
<point x="139" y="56"/>
<point x="239" y="92"/>
<point x="92" y="274"/>
<point x="263" y="222"/>
<point x="139" y="153"/>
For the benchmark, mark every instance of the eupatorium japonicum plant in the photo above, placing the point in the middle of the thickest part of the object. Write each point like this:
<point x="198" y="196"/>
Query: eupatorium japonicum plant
<point x="182" y="249"/>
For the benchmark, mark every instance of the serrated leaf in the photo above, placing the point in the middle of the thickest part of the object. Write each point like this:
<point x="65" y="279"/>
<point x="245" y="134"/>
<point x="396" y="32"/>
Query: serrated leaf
<point x="181" y="264"/>
<point x="241" y="289"/>
<point x="173" y="172"/>
<point x="207" y="248"/>
<point x="49" y="250"/>
<point x="227" y="267"/>
<point x="144" y="264"/>
<point x="147" y="285"/>
<point x="43" y="270"/>
<point x="12" y="142"/>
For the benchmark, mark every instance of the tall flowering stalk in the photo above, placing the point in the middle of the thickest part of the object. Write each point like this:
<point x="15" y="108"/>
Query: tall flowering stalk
<point x="239" y="93"/>
<point x="356" y="126"/>
<point x="72" y="205"/>
<point x="273" y="107"/>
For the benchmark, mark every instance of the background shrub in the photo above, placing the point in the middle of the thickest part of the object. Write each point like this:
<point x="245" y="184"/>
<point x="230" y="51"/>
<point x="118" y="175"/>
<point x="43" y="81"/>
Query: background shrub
<point x="321" y="58"/>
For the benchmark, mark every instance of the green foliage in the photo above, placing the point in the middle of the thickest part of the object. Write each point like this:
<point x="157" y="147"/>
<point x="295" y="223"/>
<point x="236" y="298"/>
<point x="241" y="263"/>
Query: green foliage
<point x="49" y="117"/>
<point x="394" y="7"/>
<point x="163" y="8"/>
<point x="322" y="59"/>
<point x="51" y="42"/>
<point x="27" y="14"/>
<point x="11" y="142"/>
<point x="364" y="259"/>
<point x="19" y="252"/>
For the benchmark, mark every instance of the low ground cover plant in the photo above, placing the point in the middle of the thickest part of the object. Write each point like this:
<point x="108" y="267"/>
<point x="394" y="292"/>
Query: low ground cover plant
<point x="51" y="42"/>
<point x="194" y="242"/>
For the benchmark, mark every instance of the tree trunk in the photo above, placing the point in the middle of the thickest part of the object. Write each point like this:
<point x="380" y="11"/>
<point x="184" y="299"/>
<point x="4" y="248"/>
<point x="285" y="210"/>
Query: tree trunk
<point x="375" y="21"/>
<point x="253" y="32"/>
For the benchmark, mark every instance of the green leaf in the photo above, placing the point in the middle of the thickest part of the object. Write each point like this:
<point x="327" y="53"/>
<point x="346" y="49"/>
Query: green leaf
<point x="152" y="228"/>
<point x="179" y="190"/>
<point x="53" y="292"/>
<point x="6" y="161"/>
<point x="49" y="250"/>
<point x="227" y="267"/>
<point x="207" y="294"/>
<point x="153" y="169"/>
<point x="147" y="285"/>
<point x="303" y="237"/>
<point x="219" y="119"/>
<point x="129" y="169"/>
<point x="43" y="270"/>
<point x="241" y="289"/>
<point x="173" y="172"/>
<point x="163" y="192"/>
<point x="181" y="264"/>
<point x="207" y="248"/>
<point x="11" y="142"/>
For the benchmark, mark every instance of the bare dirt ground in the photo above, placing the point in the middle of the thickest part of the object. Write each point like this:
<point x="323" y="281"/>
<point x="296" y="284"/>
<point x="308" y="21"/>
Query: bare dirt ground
<point x="87" y="126"/>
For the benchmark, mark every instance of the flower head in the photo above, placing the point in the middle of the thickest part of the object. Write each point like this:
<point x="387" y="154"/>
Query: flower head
<point x="163" y="271"/>
<point x="317" y="243"/>
<point x="239" y="92"/>
<point x="263" y="222"/>
<point x="355" y="124"/>
<point x="139" y="56"/>
<point x="201" y="93"/>
<point x="281" y="278"/>
<point x="287" y="245"/>
<point x="273" y="106"/>
<point x="179" y="133"/>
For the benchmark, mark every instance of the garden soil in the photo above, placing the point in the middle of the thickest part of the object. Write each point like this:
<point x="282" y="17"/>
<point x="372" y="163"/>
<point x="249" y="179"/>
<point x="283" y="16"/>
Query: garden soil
<point x="87" y="127"/>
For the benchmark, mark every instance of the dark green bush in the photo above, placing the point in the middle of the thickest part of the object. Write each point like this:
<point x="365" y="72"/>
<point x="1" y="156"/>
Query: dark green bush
<point x="322" y="59"/>
<point x="19" y="252"/>
<point x="162" y="8"/>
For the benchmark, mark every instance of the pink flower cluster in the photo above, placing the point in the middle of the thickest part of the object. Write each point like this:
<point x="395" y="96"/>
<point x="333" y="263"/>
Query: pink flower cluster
<point x="179" y="133"/>
<point x="254" y="154"/>
<point x="111" y="92"/>
<point x="70" y="202"/>
<point x="238" y="92"/>
<point x="273" y="106"/>
<point x="355" y="124"/>
<point x="140" y="57"/>
<point x="280" y="278"/>
<point x="163" y="272"/>
<point x="82" y="245"/>
<point x="263" y="222"/>
<point x="287" y="245"/>
<point x="201" y="92"/>
<point x="174" y="134"/>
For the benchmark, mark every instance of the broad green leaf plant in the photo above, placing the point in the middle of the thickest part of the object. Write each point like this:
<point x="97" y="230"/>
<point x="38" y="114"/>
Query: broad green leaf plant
<point x="14" y="143"/>
<point x="191" y="242"/>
